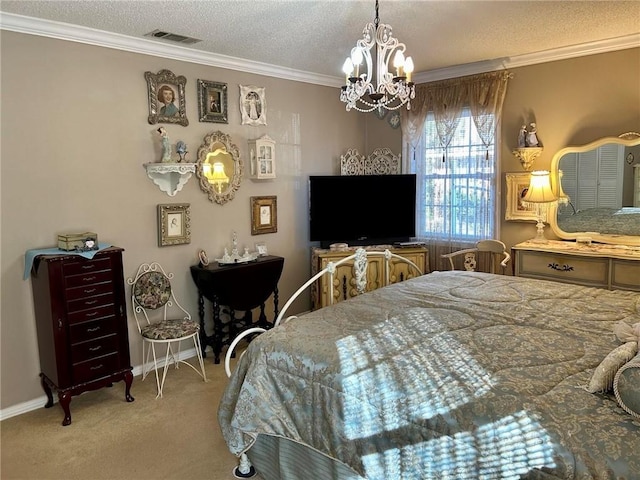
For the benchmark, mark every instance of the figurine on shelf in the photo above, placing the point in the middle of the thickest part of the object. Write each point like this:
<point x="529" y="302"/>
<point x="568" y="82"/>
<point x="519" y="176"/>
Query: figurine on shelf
<point x="166" y="146"/>
<point x="522" y="140"/>
<point x="181" y="150"/>
<point x="532" y="138"/>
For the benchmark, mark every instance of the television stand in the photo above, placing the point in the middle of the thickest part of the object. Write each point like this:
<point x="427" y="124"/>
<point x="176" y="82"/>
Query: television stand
<point x="321" y="257"/>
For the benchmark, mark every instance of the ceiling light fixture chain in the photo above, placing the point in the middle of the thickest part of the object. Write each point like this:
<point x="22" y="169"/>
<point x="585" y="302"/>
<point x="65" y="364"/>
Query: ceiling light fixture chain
<point x="379" y="88"/>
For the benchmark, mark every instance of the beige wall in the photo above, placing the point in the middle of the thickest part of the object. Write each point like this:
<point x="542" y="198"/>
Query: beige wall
<point x="75" y="136"/>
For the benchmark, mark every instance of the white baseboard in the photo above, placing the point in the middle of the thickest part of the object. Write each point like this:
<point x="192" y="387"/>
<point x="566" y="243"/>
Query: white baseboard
<point x="40" y="402"/>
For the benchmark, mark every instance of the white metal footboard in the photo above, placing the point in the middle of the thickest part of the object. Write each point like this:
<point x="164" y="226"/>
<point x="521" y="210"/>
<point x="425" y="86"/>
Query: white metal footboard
<point x="359" y="258"/>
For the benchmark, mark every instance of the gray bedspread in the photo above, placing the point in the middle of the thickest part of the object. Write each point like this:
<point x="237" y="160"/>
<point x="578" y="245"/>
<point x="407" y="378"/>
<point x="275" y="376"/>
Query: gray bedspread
<point x="451" y="375"/>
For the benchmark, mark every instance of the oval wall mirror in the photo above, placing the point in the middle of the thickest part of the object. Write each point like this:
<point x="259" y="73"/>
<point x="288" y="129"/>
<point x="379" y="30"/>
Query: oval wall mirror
<point x="600" y="194"/>
<point x="219" y="167"/>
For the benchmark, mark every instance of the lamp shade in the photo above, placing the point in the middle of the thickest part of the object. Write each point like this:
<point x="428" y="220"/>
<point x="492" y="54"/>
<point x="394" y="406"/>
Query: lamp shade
<point x="540" y="188"/>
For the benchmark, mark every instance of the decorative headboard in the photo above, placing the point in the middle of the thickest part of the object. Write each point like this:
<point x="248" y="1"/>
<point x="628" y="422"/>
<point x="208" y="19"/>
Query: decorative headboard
<point x="381" y="162"/>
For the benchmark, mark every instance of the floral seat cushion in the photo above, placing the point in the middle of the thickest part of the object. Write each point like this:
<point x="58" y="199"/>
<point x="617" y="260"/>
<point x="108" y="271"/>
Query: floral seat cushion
<point x="152" y="290"/>
<point x="170" y="329"/>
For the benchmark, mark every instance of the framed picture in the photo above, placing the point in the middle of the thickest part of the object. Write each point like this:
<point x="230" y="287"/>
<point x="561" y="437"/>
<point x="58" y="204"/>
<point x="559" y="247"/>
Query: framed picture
<point x="261" y="249"/>
<point x="253" y="105"/>
<point x="394" y="119"/>
<point x="264" y="215"/>
<point x="166" y="98"/>
<point x="212" y="102"/>
<point x="174" y="224"/>
<point x="517" y="186"/>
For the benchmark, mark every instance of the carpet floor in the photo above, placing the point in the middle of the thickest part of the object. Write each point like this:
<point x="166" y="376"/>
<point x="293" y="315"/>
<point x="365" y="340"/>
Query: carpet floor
<point x="174" y="437"/>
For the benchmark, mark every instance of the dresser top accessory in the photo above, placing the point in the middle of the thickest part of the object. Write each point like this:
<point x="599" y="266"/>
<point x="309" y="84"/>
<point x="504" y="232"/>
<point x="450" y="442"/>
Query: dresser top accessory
<point x="30" y="255"/>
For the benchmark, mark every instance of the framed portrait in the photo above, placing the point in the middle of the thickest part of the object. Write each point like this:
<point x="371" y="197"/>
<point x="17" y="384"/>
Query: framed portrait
<point x="166" y="98"/>
<point x="212" y="102"/>
<point x="264" y="215"/>
<point x="517" y="187"/>
<point x="174" y="224"/>
<point x="253" y="105"/>
<point x="261" y="249"/>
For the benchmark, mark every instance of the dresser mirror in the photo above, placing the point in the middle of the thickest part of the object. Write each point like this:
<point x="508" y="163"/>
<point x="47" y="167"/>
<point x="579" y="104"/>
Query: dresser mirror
<point x="599" y="189"/>
<point x="219" y="167"/>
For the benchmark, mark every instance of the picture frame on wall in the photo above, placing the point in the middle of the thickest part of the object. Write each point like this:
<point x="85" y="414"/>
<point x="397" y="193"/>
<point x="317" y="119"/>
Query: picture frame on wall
<point x="212" y="102"/>
<point x="517" y="187"/>
<point x="253" y="105"/>
<point x="174" y="224"/>
<point x="264" y="215"/>
<point x="165" y="92"/>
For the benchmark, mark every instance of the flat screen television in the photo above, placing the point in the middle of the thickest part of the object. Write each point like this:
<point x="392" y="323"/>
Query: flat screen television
<point x="362" y="209"/>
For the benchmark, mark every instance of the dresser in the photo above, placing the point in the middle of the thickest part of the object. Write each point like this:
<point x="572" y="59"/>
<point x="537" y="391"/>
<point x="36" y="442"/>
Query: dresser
<point x="231" y="289"/>
<point x="344" y="278"/>
<point x="595" y="265"/>
<point x="81" y="324"/>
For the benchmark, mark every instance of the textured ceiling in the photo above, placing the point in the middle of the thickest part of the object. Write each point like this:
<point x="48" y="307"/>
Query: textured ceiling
<point x="315" y="36"/>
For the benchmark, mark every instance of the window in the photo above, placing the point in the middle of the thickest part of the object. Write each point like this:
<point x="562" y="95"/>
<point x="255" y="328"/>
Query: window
<point x="456" y="190"/>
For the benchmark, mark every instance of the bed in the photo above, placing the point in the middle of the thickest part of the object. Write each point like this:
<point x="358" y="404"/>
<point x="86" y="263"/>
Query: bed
<point x="450" y="375"/>
<point x="613" y="221"/>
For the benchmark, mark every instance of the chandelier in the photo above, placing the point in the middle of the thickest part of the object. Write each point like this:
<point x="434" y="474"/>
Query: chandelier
<point x="367" y="89"/>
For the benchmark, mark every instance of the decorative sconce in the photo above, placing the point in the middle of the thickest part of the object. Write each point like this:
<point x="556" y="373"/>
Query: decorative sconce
<point x="541" y="196"/>
<point x="215" y="174"/>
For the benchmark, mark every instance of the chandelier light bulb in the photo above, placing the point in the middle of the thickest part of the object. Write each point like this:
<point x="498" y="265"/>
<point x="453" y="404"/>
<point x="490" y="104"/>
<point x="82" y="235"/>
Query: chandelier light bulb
<point x="356" y="56"/>
<point x="408" y="68"/>
<point x="398" y="62"/>
<point x="347" y="68"/>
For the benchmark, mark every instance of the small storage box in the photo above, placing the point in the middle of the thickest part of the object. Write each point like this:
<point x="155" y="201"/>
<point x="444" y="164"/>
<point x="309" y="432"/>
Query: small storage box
<point x="82" y="242"/>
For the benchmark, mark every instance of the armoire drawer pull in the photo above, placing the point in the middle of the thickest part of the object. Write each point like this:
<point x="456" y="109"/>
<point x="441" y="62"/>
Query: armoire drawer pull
<point x="95" y="349"/>
<point x="91" y="302"/>
<point x="88" y="267"/>
<point x="94" y="329"/>
<point x="89" y="290"/>
<point x="88" y="279"/>
<point x="97" y="367"/>
<point x="92" y="314"/>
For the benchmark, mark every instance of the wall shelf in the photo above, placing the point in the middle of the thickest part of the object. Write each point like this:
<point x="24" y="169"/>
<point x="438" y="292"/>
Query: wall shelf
<point x="170" y="177"/>
<point x="527" y="156"/>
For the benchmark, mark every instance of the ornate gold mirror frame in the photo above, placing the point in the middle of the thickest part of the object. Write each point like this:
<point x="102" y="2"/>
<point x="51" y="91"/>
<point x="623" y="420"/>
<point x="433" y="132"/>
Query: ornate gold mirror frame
<point x="219" y="167"/>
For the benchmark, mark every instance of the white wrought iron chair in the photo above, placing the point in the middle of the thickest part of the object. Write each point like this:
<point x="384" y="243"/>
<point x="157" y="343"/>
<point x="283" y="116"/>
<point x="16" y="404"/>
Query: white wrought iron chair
<point x="495" y="250"/>
<point x="161" y="320"/>
<point x="359" y="259"/>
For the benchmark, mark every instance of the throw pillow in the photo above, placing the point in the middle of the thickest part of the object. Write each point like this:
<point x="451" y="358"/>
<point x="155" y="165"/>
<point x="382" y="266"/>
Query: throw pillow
<point x="626" y="386"/>
<point x="602" y="379"/>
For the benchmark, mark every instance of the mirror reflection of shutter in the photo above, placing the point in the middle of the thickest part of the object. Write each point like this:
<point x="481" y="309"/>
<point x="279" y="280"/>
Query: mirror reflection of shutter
<point x="610" y="172"/>
<point x="587" y="180"/>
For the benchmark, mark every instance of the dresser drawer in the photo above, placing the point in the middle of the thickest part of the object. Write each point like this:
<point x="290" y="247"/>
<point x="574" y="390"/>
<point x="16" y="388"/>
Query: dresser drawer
<point x="81" y="352"/>
<point x="89" y="290"/>
<point x="625" y="275"/>
<point x="87" y="303"/>
<point x="81" y="266"/>
<point x="95" y="368"/>
<point x="92" y="330"/>
<point x="87" y="279"/>
<point x="566" y="268"/>
<point x="91" y="314"/>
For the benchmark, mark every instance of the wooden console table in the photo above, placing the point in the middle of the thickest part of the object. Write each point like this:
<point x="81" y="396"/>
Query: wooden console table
<point x="239" y="287"/>
<point x="616" y="267"/>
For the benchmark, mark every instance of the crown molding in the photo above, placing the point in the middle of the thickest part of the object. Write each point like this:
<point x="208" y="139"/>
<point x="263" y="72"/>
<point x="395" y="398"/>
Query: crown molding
<point x="90" y="36"/>
<point x="563" y="53"/>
